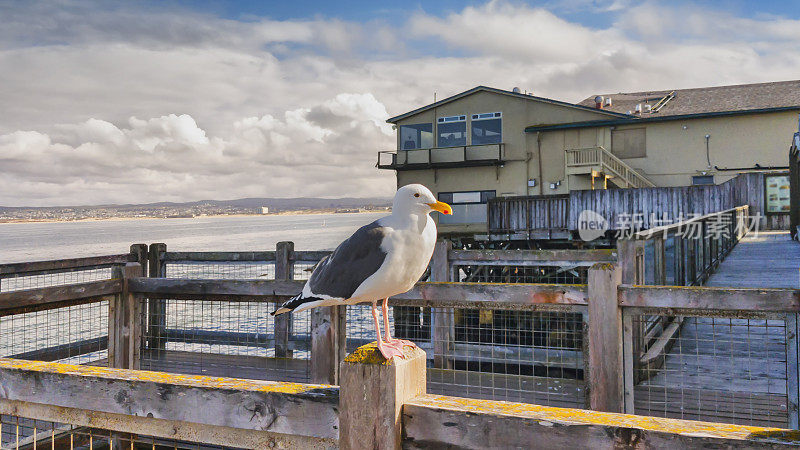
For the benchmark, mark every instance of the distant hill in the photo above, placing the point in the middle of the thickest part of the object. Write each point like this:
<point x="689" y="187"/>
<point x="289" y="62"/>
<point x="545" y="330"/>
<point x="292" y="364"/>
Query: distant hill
<point x="276" y="204"/>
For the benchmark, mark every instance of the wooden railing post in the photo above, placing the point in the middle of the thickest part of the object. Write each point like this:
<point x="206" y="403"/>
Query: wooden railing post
<point x="660" y="262"/>
<point x="139" y="254"/>
<point x="328" y="346"/>
<point x="156" y="308"/>
<point x="443" y="320"/>
<point x="284" y="270"/>
<point x="124" y="322"/>
<point x="371" y="396"/>
<point x="606" y="387"/>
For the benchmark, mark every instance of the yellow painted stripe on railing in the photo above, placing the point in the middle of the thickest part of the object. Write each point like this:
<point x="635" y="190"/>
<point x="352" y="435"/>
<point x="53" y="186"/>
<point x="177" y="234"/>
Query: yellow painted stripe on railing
<point x="200" y="381"/>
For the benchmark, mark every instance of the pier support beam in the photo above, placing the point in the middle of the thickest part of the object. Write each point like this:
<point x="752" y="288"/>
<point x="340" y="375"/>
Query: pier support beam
<point x="371" y="396"/>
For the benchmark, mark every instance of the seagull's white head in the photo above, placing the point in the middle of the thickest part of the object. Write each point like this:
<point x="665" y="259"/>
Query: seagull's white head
<point x="416" y="198"/>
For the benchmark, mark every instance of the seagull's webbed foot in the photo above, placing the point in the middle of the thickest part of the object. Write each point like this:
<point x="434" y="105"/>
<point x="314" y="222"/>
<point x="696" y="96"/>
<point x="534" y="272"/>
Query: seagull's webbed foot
<point x="400" y="343"/>
<point x="389" y="350"/>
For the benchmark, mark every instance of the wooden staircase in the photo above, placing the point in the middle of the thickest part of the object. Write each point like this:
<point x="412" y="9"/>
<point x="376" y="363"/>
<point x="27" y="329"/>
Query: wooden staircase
<point x="598" y="160"/>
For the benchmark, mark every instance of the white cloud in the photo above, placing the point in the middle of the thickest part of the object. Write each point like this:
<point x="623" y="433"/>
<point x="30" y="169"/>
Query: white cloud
<point x="118" y="104"/>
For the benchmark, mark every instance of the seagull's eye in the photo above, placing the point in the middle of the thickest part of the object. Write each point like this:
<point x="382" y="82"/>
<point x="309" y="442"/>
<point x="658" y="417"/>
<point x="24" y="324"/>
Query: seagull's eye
<point x="416" y="195"/>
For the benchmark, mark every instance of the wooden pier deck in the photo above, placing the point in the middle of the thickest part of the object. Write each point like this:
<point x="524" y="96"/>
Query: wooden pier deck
<point x="769" y="259"/>
<point x="735" y="369"/>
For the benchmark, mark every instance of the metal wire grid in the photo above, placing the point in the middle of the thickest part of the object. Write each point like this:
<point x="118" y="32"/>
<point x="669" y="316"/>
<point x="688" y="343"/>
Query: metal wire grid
<point x="226" y="270"/>
<point x="521" y="356"/>
<point x="222" y="338"/>
<point x="731" y="370"/>
<point x="74" y="334"/>
<point x="24" y="433"/>
<point x="53" y="279"/>
<point x="521" y="274"/>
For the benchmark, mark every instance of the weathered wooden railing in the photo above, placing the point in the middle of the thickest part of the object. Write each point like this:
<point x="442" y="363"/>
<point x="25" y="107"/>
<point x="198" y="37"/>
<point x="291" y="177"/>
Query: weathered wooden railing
<point x="533" y="217"/>
<point x="685" y="253"/>
<point x="605" y="162"/>
<point x="386" y="406"/>
<point x="621" y="208"/>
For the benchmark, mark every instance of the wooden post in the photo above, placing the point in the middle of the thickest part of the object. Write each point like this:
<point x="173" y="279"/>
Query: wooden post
<point x="284" y="270"/>
<point x="371" y="396"/>
<point x="139" y="253"/>
<point x="156" y="308"/>
<point x="443" y="320"/>
<point x="327" y="346"/>
<point x="606" y="388"/>
<point x="678" y="259"/>
<point x="124" y="323"/>
<point x="630" y="259"/>
<point x="660" y="263"/>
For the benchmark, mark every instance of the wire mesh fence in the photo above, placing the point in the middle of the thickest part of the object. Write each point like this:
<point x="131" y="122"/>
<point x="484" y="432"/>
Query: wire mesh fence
<point x="223" y="338"/>
<point x="22" y="281"/>
<point x="721" y="369"/>
<point x="521" y="274"/>
<point x="25" y="433"/>
<point x="512" y="355"/>
<point x="226" y="270"/>
<point x="75" y="334"/>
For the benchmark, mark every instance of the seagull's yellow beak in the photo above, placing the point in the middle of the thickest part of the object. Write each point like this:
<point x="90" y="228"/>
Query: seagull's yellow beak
<point x="442" y="207"/>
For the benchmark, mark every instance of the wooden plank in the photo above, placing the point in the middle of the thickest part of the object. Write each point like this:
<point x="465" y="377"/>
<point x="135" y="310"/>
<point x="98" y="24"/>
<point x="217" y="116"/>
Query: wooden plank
<point x="446" y="294"/>
<point x="443" y="322"/>
<point x="709" y="298"/>
<point x="63" y="351"/>
<point x="433" y="421"/>
<point x="606" y="388"/>
<point x="147" y="426"/>
<point x="228" y="290"/>
<point x="325" y="340"/>
<point x="156" y="308"/>
<point x="521" y="257"/>
<point x="55" y="296"/>
<point x="62" y="265"/>
<point x="284" y="270"/>
<point x="288" y="408"/>
<point x="219" y="256"/>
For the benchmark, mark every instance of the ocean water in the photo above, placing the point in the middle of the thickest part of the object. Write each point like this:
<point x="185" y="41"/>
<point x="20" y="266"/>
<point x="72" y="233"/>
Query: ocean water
<point x="21" y="242"/>
<point x="38" y="241"/>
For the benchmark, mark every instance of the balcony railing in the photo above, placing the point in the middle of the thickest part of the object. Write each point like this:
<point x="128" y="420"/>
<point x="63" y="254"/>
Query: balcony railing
<point x="443" y="157"/>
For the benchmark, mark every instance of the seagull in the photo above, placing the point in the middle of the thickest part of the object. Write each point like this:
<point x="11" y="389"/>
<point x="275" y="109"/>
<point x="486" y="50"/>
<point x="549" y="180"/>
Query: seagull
<point x="381" y="259"/>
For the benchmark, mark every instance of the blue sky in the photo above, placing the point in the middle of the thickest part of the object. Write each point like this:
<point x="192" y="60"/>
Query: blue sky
<point x="585" y="12"/>
<point x="177" y="100"/>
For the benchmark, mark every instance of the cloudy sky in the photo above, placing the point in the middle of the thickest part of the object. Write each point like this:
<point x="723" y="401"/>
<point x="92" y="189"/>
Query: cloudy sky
<point x="106" y="102"/>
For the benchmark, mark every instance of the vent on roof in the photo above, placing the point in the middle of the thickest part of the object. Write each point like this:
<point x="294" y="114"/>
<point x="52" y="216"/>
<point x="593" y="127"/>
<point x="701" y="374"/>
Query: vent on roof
<point x="647" y="108"/>
<point x="638" y="109"/>
<point x="598" y="102"/>
<point x="516" y="90"/>
<point x="608" y="101"/>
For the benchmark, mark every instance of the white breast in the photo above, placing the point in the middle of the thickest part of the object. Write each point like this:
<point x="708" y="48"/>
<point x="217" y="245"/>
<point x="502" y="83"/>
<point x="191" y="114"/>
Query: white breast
<point x="408" y="252"/>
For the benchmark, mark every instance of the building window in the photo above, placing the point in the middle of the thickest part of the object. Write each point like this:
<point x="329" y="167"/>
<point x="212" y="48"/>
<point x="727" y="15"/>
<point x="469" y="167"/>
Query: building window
<point x="452" y="131"/>
<point x="416" y="136"/>
<point x="702" y="180"/>
<point x="468" y="207"/>
<point x="630" y="143"/>
<point x="487" y="128"/>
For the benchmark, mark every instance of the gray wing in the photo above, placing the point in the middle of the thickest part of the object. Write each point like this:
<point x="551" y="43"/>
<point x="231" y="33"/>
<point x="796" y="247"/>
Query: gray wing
<point x="353" y="261"/>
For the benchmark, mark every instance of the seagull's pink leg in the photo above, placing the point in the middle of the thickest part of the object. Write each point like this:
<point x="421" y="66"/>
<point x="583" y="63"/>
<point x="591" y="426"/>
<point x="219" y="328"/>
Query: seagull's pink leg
<point x="386" y="350"/>
<point x="399" y="343"/>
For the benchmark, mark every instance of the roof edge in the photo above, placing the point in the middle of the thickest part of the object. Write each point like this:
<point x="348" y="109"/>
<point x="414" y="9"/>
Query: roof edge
<point x="635" y="120"/>
<point x="503" y="92"/>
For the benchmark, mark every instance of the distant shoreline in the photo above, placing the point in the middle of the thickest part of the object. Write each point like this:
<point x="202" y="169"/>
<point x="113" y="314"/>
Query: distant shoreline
<point x="112" y="219"/>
